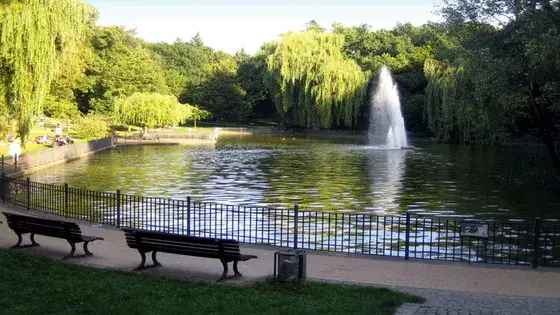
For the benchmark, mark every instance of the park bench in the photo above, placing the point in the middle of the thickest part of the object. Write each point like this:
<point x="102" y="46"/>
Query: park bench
<point x="70" y="231"/>
<point x="148" y="241"/>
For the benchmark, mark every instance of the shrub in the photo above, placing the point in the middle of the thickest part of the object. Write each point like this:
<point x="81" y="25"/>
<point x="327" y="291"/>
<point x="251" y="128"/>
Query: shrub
<point x="61" y="109"/>
<point x="90" y="127"/>
<point x="151" y="110"/>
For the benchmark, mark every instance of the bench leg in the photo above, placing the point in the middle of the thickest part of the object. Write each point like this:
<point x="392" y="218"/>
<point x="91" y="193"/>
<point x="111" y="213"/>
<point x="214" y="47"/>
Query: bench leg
<point x="32" y="238"/>
<point x="154" y="259"/>
<point x="237" y="273"/>
<point x="86" y="251"/>
<point x="143" y="256"/>
<point x="20" y="239"/>
<point x="224" y="274"/>
<point x="72" y="251"/>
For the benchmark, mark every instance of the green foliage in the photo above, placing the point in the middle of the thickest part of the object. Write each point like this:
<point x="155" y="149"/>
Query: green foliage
<point x="151" y="110"/>
<point x="60" y="108"/>
<point x="250" y="75"/>
<point x="199" y="75"/>
<point x="187" y="64"/>
<point x="395" y="49"/>
<point x="313" y="83"/>
<point x="491" y="83"/>
<point x="488" y="73"/>
<point x="221" y="92"/>
<point x="90" y="127"/>
<point x="195" y="113"/>
<point x="404" y="50"/>
<point x="35" y="37"/>
<point x="122" y="66"/>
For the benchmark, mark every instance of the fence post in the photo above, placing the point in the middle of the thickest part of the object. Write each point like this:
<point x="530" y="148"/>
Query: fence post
<point x="3" y="169"/>
<point x="407" y="237"/>
<point x="536" y="243"/>
<point x="118" y="201"/>
<point x="4" y="187"/>
<point x="28" y="188"/>
<point x="15" y="161"/>
<point x="296" y="232"/>
<point x="65" y="198"/>
<point x="188" y="216"/>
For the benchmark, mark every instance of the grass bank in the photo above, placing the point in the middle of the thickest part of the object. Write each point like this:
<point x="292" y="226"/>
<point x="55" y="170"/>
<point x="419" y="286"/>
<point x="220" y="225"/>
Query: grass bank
<point x="38" y="285"/>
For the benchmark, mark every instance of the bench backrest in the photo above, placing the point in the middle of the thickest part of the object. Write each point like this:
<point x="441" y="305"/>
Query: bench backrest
<point x="55" y="228"/>
<point x="181" y="244"/>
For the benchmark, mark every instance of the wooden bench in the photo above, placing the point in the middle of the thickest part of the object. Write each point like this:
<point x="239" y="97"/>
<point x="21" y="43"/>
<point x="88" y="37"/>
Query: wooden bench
<point x="147" y="241"/>
<point x="70" y="231"/>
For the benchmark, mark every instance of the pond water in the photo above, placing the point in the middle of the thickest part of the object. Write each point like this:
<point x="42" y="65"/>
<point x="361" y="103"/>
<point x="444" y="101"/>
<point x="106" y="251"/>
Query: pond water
<point x="328" y="172"/>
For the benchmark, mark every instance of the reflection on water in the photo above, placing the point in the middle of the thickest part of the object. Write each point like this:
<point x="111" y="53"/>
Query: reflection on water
<point x="386" y="169"/>
<point x="327" y="173"/>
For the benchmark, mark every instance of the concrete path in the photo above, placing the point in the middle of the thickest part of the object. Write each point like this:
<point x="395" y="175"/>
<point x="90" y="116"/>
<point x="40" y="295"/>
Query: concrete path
<point x="449" y="288"/>
<point x="443" y="302"/>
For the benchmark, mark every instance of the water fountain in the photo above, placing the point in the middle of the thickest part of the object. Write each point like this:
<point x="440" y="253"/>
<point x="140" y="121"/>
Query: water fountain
<point x="386" y="123"/>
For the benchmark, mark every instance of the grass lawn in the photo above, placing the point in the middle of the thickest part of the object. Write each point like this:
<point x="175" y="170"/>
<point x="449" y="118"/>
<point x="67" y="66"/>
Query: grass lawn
<point x="37" y="131"/>
<point x="37" y="285"/>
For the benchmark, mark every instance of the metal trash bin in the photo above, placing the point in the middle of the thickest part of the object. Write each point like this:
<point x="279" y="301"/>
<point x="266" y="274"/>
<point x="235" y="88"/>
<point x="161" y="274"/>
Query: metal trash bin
<point x="290" y="265"/>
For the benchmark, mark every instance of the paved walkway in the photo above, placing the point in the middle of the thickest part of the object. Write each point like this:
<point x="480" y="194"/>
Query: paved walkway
<point x="448" y="288"/>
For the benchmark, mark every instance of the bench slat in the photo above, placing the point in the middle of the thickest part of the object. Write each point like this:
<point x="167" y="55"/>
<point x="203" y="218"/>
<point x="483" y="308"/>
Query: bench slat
<point x="181" y="244"/>
<point x="53" y="228"/>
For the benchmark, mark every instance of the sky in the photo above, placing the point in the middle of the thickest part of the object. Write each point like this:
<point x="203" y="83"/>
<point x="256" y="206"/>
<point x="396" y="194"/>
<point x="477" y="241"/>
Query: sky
<point x="247" y="24"/>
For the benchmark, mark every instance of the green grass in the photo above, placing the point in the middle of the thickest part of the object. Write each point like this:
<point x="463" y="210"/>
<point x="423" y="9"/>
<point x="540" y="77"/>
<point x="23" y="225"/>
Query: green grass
<point x="37" y="285"/>
<point x="37" y="131"/>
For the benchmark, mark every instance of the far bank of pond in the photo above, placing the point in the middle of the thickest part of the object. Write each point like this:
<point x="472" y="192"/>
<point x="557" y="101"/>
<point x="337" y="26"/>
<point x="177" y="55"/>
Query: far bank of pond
<point x="328" y="172"/>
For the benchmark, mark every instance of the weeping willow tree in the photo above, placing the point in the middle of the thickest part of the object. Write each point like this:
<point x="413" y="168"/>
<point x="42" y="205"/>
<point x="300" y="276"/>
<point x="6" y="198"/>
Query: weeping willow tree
<point x="459" y="107"/>
<point x="441" y="98"/>
<point x="314" y="85"/>
<point x="35" y="36"/>
<point x="151" y="110"/>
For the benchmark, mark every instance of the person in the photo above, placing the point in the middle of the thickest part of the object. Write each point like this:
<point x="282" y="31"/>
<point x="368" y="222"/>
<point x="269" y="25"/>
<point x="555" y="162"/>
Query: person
<point x="58" y="131"/>
<point x="42" y="139"/>
<point x="68" y="140"/>
<point x="59" y="140"/>
<point x="15" y="149"/>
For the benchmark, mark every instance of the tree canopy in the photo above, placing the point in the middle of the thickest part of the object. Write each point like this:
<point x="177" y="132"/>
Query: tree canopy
<point x="489" y="73"/>
<point x="151" y="110"/>
<point x="122" y="66"/>
<point x="508" y="75"/>
<point x="35" y="39"/>
<point x="314" y="85"/>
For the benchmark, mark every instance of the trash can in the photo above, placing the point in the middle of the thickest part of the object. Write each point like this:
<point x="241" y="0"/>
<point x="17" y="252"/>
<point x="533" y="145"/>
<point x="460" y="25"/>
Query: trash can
<point x="290" y="265"/>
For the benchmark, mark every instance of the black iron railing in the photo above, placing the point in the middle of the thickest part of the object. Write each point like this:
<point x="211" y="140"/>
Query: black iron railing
<point x="520" y="242"/>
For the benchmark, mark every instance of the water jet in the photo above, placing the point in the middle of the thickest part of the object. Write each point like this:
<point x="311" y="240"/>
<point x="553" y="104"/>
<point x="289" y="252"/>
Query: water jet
<point x="386" y="123"/>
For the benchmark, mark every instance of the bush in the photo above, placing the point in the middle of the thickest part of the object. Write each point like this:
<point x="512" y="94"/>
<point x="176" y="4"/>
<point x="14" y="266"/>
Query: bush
<point x="151" y="110"/>
<point x="61" y="109"/>
<point x="90" y="127"/>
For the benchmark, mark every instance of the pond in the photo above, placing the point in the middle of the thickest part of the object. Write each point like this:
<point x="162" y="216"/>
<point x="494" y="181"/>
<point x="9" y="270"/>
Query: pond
<point x="328" y="171"/>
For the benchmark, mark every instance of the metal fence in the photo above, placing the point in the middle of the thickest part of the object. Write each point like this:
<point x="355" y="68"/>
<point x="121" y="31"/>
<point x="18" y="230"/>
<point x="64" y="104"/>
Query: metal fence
<point x="514" y="242"/>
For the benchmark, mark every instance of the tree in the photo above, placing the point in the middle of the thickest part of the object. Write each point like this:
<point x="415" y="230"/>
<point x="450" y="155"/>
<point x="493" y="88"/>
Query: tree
<point x="251" y="74"/>
<point x="151" y="110"/>
<point x="404" y="50"/>
<point x="122" y="66"/>
<point x="221" y="92"/>
<point x="501" y="12"/>
<point x="197" y="114"/>
<point x="525" y="46"/>
<point x="314" y="26"/>
<point x="200" y="75"/>
<point x="187" y="64"/>
<point x="36" y="37"/>
<point x="313" y="84"/>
